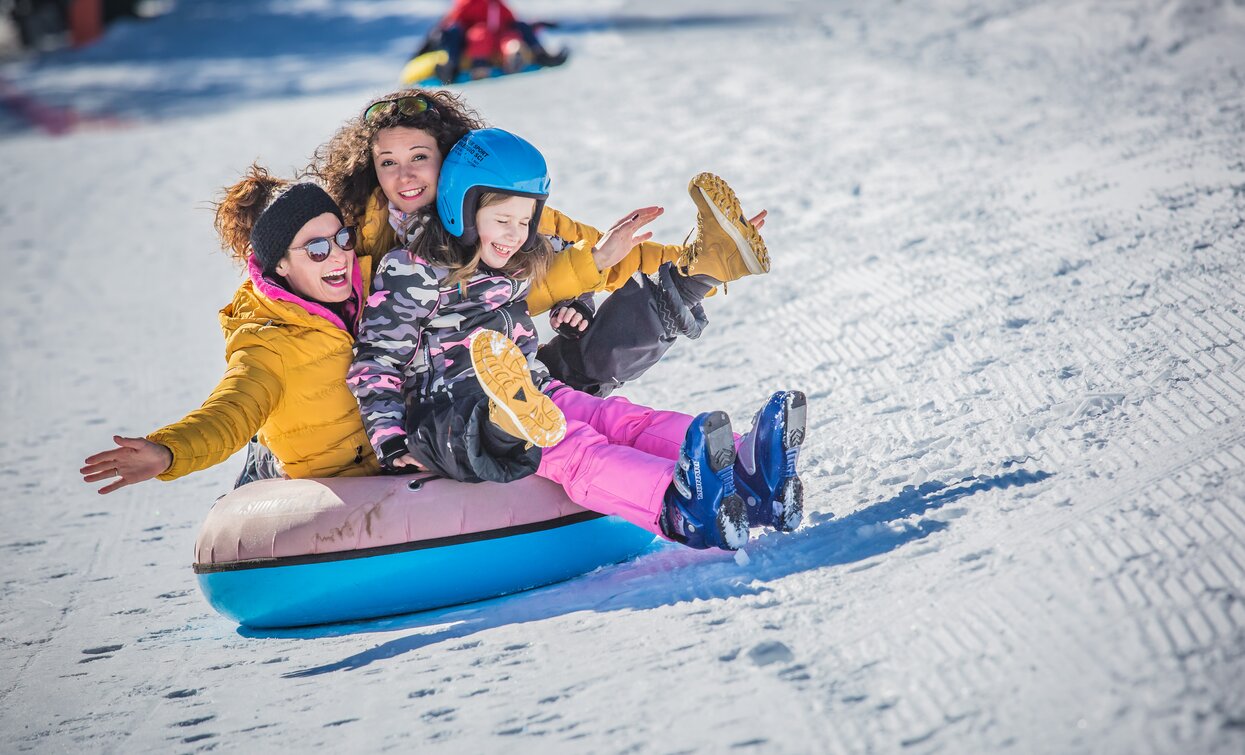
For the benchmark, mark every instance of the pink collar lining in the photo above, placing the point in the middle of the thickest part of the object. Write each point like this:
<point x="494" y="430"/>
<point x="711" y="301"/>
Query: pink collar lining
<point x="274" y="291"/>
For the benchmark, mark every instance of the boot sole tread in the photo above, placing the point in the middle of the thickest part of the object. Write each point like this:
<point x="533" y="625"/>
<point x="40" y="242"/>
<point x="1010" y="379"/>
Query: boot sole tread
<point x="789" y="502"/>
<point x="719" y="441"/>
<point x="502" y="375"/>
<point x="795" y="420"/>
<point x="732" y="523"/>
<point x="725" y="207"/>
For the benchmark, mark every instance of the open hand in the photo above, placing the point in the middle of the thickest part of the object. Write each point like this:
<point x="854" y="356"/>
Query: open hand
<point x="133" y="460"/>
<point x="623" y="236"/>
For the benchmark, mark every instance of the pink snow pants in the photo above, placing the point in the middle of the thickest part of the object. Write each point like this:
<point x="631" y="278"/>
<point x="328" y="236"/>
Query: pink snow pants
<point x="617" y="457"/>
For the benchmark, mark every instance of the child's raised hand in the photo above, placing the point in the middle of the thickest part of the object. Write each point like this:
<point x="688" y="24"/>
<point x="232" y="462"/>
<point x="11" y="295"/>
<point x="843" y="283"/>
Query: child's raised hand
<point x="623" y="236"/>
<point x="758" y="220"/>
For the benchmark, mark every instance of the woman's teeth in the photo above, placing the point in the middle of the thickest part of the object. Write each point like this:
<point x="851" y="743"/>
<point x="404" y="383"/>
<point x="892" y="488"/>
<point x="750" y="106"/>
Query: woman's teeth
<point x="410" y="193"/>
<point x="334" y="279"/>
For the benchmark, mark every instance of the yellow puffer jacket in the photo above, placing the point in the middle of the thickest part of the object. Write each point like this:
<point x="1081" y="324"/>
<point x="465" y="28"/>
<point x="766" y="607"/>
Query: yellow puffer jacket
<point x="571" y="272"/>
<point x="286" y="382"/>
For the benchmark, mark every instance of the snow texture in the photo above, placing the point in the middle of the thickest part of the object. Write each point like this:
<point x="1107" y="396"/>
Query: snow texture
<point x="1007" y="242"/>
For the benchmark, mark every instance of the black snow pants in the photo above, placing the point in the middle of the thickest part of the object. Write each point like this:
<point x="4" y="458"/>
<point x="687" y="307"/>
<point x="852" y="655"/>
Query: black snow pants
<point x="450" y="437"/>
<point x="634" y="328"/>
<point x="453" y="437"/>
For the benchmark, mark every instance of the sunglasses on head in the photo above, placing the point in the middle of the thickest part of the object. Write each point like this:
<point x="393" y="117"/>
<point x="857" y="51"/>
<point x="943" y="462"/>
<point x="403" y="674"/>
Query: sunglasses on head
<point x="319" y="249"/>
<point x="410" y="105"/>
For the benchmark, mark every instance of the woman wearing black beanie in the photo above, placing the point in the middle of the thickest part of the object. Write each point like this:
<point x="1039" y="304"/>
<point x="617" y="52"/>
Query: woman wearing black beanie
<point x="288" y="337"/>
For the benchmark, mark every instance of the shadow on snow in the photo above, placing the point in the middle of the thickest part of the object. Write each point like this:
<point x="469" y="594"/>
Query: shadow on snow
<point x="663" y="576"/>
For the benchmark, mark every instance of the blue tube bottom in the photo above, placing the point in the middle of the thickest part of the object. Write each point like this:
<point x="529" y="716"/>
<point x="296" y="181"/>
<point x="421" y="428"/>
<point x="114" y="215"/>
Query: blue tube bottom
<point x="350" y="589"/>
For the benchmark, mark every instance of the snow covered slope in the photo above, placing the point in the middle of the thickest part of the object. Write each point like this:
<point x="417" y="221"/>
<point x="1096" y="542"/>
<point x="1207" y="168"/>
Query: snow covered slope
<point x="1008" y="271"/>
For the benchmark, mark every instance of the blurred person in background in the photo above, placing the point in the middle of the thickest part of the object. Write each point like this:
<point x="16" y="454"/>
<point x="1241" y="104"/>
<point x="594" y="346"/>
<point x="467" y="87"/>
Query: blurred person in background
<point x="483" y="35"/>
<point x="40" y="23"/>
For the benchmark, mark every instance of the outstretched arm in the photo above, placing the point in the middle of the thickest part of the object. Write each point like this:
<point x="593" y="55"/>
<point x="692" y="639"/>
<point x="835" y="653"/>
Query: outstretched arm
<point x="233" y="413"/>
<point x="594" y="261"/>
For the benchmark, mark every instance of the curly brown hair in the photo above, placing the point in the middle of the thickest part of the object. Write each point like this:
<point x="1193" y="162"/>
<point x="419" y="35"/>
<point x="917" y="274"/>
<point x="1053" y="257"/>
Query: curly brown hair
<point x="344" y="164"/>
<point x="241" y="205"/>
<point x="432" y="243"/>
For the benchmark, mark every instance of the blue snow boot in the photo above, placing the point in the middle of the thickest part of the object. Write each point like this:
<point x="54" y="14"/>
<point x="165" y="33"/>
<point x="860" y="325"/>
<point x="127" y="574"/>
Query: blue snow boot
<point x="701" y="508"/>
<point x="765" y="473"/>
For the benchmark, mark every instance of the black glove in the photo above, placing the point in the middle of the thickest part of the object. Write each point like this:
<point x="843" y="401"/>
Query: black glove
<point x="568" y="331"/>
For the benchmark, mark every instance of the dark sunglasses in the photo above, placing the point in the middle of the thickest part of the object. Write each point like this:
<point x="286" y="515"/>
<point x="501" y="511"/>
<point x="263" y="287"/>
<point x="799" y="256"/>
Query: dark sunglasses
<point x="318" y="249"/>
<point x="409" y="105"/>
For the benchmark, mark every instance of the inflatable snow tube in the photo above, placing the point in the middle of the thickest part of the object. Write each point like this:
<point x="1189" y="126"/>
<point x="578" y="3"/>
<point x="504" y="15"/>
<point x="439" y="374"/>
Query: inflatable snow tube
<point x="283" y="553"/>
<point x="421" y="71"/>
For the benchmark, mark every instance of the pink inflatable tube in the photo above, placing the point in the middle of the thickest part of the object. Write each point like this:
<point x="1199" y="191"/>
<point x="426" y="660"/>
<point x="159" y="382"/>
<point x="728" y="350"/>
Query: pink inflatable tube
<point x="284" y="553"/>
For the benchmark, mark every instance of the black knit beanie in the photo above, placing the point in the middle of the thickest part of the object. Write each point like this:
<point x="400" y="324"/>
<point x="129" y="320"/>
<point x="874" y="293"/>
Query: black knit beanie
<point x="280" y="223"/>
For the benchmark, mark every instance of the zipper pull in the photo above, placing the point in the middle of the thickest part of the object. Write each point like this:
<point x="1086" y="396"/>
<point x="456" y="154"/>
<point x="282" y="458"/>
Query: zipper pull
<point x="358" y="455"/>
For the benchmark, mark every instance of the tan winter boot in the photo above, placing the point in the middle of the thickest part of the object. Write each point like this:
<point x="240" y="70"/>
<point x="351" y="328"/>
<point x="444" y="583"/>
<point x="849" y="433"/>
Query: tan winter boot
<point x="726" y="246"/>
<point x="516" y="405"/>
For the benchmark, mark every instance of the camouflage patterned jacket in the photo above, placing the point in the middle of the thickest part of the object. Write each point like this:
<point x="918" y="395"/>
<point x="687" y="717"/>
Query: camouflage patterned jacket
<point x="414" y="335"/>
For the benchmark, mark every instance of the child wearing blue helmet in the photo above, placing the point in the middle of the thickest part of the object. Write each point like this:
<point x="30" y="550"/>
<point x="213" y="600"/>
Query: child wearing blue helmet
<point x="446" y="375"/>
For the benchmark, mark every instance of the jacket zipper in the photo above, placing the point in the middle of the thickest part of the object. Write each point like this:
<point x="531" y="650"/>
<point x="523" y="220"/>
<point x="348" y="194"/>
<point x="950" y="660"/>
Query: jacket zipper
<point x="505" y="314"/>
<point x="509" y="323"/>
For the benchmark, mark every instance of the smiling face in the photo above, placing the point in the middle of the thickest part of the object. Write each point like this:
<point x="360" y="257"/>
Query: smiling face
<point x="407" y="163"/>
<point x="503" y="227"/>
<point x="330" y="281"/>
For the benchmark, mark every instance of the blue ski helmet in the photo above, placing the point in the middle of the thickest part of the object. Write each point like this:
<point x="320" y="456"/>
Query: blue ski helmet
<point x="488" y="159"/>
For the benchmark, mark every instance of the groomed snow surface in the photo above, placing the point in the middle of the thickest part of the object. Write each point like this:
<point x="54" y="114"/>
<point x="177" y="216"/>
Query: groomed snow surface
<point x="1008" y="273"/>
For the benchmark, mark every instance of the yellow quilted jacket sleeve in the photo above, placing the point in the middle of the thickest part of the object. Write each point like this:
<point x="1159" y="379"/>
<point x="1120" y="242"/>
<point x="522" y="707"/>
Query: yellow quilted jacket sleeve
<point x="241" y="402"/>
<point x="573" y="271"/>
